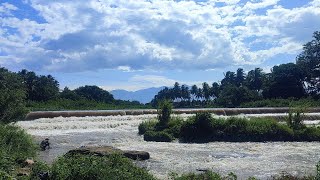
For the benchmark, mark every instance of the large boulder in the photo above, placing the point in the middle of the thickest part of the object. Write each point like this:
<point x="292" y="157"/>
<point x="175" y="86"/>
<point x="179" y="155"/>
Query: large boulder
<point x="108" y="150"/>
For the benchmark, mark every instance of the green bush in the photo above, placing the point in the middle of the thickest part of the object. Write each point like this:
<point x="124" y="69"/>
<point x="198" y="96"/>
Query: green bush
<point x="164" y="113"/>
<point x="204" y="128"/>
<point x="15" y="147"/>
<point x="38" y="168"/>
<point x="12" y="97"/>
<point x="93" y="167"/>
<point x="294" y="120"/>
<point x="158" y="136"/>
<point x="174" y="126"/>
<point x="264" y="129"/>
<point x="16" y="142"/>
<point x="308" y="134"/>
<point x="318" y="171"/>
<point x="235" y="129"/>
<point x="147" y="126"/>
<point x="5" y="176"/>
<point x="209" y="175"/>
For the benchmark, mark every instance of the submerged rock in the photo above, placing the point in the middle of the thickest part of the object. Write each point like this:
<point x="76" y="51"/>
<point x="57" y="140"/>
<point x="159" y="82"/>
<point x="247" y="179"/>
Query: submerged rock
<point x="108" y="150"/>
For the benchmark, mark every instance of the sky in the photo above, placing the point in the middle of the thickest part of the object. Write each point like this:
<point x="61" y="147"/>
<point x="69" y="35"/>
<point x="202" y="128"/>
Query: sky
<point x="136" y="44"/>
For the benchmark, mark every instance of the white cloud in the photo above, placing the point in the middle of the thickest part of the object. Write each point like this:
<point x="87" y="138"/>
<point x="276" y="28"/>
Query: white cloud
<point x="157" y="35"/>
<point x="6" y="9"/>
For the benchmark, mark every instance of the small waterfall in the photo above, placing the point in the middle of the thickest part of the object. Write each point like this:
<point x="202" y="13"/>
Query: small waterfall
<point x="216" y="111"/>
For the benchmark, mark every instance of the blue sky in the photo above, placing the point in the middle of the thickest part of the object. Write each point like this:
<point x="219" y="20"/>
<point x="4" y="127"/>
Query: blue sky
<point x="135" y="44"/>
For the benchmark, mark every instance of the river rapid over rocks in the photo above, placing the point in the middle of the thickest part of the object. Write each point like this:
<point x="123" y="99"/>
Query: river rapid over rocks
<point x="261" y="160"/>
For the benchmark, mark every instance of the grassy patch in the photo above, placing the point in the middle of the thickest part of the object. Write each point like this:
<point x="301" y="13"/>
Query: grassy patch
<point x="93" y="167"/>
<point x="158" y="136"/>
<point x="204" y="128"/>
<point x="153" y="130"/>
<point x="147" y="126"/>
<point x="15" y="147"/>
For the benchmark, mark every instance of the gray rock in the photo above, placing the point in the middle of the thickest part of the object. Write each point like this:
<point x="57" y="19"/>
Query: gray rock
<point x="108" y="150"/>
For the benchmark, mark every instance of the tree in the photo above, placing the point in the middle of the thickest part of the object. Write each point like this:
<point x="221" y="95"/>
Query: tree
<point x="12" y="96"/>
<point x="177" y="91"/>
<point x="229" y="79"/>
<point x="185" y="93"/>
<point x="309" y="62"/>
<point x="286" y="80"/>
<point x="68" y="94"/>
<point x="206" y="91"/>
<point x="194" y="91"/>
<point x="233" y="96"/>
<point x="39" y="88"/>
<point x="94" y="93"/>
<point x="240" y="76"/>
<point x="215" y="90"/>
<point x="254" y="79"/>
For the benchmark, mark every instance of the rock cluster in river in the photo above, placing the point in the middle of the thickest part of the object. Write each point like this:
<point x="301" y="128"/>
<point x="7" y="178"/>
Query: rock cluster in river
<point x="108" y="150"/>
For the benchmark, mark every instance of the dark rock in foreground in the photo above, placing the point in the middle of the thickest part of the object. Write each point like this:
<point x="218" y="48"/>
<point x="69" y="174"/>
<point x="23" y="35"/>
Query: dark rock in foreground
<point x="108" y="150"/>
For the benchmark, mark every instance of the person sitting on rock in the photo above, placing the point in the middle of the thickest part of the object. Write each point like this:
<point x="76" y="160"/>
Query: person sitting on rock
<point x="45" y="144"/>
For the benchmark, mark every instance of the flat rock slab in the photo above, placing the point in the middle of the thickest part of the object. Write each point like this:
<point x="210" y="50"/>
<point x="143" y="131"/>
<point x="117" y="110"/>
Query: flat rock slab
<point x="108" y="150"/>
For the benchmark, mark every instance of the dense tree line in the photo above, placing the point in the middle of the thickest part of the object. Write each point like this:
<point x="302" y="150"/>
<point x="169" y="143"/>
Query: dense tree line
<point x="291" y="80"/>
<point x="24" y="89"/>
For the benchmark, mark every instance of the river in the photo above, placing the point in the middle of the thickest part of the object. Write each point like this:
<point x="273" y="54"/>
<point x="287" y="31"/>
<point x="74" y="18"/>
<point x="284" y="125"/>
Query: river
<point x="261" y="160"/>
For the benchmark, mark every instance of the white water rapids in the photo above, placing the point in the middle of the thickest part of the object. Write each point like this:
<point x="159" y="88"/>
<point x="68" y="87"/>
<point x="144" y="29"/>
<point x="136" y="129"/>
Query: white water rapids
<point x="261" y="160"/>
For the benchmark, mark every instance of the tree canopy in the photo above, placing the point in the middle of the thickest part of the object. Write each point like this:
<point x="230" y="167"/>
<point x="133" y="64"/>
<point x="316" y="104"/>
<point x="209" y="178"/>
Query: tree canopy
<point x="12" y="96"/>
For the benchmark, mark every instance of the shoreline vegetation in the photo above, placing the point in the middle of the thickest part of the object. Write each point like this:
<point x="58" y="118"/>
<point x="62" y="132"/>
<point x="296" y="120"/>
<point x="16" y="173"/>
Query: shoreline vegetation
<point x="203" y="128"/>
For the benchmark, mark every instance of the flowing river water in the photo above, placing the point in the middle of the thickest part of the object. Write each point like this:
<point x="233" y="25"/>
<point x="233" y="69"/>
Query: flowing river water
<point x="261" y="160"/>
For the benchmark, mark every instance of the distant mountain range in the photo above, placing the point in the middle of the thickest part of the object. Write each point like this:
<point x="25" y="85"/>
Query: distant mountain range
<point x="143" y="95"/>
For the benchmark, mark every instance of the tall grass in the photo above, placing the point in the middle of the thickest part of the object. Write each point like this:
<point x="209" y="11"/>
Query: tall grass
<point x="204" y="128"/>
<point x="15" y="147"/>
<point x="115" y="167"/>
<point x="153" y="130"/>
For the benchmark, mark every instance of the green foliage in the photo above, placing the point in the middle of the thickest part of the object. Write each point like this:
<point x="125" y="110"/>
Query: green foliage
<point x="204" y="128"/>
<point x="15" y="147"/>
<point x="318" y="171"/>
<point x="209" y="175"/>
<point x="307" y="134"/>
<point x="286" y="176"/>
<point x="94" y="93"/>
<point x="294" y="119"/>
<point x="158" y="136"/>
<point x="264" y="129"/>
<point x="38" y="168"/>
<point x="156" y="131"/>
<point x="12" y="97"/>
<point x="309" y="61"/>
<point x="286" y="80"/>
<point x="147" y="126"/>
<point x="5" y="176"/>
<point x="94" y="167"/>
<point x="233" y="96"/>
<point x="164" y="112"/>
<point x="201" y="128"/>
<point x="39" y="88"/>
<point x="174" y="126"/>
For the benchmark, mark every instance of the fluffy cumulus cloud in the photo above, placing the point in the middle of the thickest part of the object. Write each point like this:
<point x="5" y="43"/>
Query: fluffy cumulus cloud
<point x="132" y="35"/>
